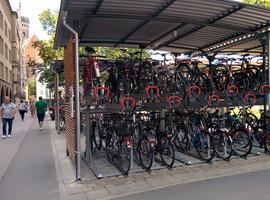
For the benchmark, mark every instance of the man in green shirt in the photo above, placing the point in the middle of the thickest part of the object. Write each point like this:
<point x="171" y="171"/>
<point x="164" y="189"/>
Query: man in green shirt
<point x="41" y="108"/>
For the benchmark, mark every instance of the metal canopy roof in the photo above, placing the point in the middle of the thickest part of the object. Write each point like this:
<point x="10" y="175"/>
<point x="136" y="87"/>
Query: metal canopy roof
<point x="173" y="25"/>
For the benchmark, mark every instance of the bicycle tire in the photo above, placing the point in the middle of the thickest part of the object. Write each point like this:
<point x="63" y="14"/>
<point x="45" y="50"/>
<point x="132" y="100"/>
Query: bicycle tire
<point x="109" y="147"/>
<point x="242" y="142"/>
<point x="146" y="153"/>
<point x="166" y="150"/>
<point x="221" y="139"/>
<point x="267" y="143"/>
<point x="205" y="146"/>
<point x="124" y="154"/>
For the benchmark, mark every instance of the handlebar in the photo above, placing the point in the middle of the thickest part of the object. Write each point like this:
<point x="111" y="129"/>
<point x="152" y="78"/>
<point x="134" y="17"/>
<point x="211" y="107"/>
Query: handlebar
<point x="125" y="99"/>
<point x="153" y="88"/>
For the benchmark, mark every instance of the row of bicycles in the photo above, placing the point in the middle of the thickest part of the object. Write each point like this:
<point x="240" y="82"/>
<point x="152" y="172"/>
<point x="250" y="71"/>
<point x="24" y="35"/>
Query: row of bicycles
<point x="153" y="128"/>
<point x="143" y="110"/>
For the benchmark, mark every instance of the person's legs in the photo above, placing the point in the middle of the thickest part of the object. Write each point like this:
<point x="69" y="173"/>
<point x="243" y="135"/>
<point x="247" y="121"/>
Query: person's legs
<point x="42" y="115"/>
<point x="21" y="113"/>
<point x="4" y="127"/>
<point x="10" y="122"/>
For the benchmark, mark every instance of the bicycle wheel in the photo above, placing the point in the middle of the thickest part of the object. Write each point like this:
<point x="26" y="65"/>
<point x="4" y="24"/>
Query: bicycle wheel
<point x="242" y="142"/>
<point x="124" y="154"/>
<point x="146" y="153"/>
<point x="96" y="139"/>
<point x="109" y="147"/>
<point x="267" y="143"/>
<point x="205" y="146"/>
<point x="180" y="138"/>
<point x="166" y="151"/>
<point x="61" y="124"/>
<point x="223" y="145"/>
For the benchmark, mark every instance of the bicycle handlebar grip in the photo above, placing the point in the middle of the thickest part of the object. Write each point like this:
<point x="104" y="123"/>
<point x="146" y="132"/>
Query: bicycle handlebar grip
<point x="194" y="88"/>
<point x="250" y="96"/>
<point x="151" y="87"/>
<point x="233" y="89"/>
<point x="101" y="88"/>
<point x="123" y="100"/>
<point x="212" y="99"/>
<point x="177" y="98"/>
<point x="265" y="89"/>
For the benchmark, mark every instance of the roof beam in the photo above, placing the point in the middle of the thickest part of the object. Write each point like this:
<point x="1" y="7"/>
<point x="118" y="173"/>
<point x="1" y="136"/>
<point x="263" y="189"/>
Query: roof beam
<point x="95" y="11"/>
<point x="165" y="34"/>
<point x="170" y="20"/>
<point x="145" y="22"/>
<point x="210" y="21"/>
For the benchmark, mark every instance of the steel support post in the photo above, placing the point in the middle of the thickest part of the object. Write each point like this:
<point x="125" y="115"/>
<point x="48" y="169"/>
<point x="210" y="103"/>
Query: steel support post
<point x="77" y="98"/>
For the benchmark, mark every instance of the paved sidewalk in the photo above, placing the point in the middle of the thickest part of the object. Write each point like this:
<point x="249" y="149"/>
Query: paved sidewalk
<point x="31" y="174"/>
<point x="9" y="146"/>
<point x="116" y="187"/>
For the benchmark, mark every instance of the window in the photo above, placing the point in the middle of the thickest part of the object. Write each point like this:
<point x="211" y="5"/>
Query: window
<point x="2" y="70"/>
<point x="1" y="20"/>
<point x="6" y="51"/>
<point x="10" y="57"/>
<point x="6" y="28"/>
<point x="6" y="73"/>
<point x="10" y="77"/>
<point x="1" y="45"/>
<point x="9" y="35"/>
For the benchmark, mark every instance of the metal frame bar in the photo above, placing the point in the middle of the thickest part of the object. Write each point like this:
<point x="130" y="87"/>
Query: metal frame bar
<point x="98" y="5"/>
<point x="168" y="20"/>
<point x="145" y="22"/>
<point x="210" y="21"/>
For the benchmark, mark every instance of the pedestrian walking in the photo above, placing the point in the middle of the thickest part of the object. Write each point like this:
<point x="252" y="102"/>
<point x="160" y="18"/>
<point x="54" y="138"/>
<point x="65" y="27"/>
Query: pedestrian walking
<point x="32" y="109"/>
<point x="41" y="108"/>
<point x="22" y="109"/>
<point x="7" y="114"/>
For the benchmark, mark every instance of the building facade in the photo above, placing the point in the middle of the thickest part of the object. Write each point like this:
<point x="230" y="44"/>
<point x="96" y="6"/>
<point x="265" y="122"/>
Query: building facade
<point x="6" y="74"/>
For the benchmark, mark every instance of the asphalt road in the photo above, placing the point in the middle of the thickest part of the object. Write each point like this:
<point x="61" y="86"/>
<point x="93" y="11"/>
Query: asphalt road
<point x="250" y="186"/>
<point x="31" y="174"/>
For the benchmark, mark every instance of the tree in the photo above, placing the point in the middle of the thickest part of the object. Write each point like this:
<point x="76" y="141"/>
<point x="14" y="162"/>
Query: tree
<point x="31" y="88"/>
<point x="48" y="54"/>
<point x="265" y="3"/>
<point x="48" y="20"/>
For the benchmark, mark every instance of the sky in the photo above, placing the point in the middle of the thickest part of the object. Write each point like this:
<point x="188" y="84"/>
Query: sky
<point x="31" y="9"/>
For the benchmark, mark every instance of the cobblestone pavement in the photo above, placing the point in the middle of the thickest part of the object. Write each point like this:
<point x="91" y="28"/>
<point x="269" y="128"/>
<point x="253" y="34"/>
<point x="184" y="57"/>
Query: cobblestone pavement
<point x="119" y="186"/>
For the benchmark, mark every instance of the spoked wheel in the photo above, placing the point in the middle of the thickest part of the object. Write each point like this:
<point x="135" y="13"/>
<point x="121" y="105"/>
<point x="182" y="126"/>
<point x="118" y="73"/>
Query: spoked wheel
<point x="180" y="139"/>
<point x="205" y="146"/>
<point x="223" y="145"/>
<point x="124" y="154"/>
<point x="166" y="151"/>
<point x="267" y="143"/>
<point x="242" y="142"/>
<point x="146" y="153"/>
<point x="62" y="124"/>
<point x="109" y="147"/>
<point x="95" y="138"/>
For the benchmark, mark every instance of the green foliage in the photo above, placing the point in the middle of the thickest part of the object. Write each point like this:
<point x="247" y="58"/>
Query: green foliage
<point x="45" y="48"/>
<point x="32" y="87"/>
<point x="48" y="20"/>
<point x="114" y="53"/>
<point x="265" y="3"/>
